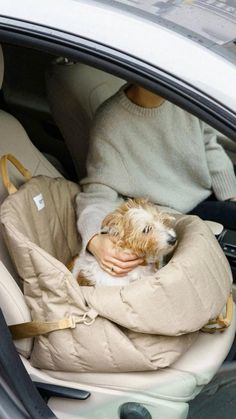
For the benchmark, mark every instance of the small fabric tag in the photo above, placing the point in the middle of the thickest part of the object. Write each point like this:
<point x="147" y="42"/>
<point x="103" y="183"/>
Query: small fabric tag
<point x="39" y="201"/>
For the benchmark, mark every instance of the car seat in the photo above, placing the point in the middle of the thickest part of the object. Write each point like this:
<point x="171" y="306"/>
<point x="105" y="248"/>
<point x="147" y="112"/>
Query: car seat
<point x="75" y="91"/>
<point x="161" y="394"/>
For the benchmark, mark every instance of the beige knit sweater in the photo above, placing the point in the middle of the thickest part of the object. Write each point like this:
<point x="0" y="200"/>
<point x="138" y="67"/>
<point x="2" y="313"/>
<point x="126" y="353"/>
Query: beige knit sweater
<point x="163" y="153"/>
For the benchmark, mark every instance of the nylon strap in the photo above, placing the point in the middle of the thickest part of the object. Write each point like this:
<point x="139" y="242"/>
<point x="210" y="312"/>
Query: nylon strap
<point x="5" y="175"/>
<point x="221" y="323"/>
<point x="37" y="328"/>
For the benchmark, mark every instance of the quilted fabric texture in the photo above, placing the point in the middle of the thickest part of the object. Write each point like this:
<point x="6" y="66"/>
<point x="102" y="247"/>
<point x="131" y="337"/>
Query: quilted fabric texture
<point x="143" y="326"/>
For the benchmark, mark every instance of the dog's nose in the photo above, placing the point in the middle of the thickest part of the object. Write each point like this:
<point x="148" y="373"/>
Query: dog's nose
<point x="171" y="240"/>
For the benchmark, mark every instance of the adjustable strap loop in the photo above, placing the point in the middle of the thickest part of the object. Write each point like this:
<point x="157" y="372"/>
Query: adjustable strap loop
<point x="221" y="323"/>
<point x="5" y="175"/>
<point x="91" y="316"/>
<point x="37" y="328"/>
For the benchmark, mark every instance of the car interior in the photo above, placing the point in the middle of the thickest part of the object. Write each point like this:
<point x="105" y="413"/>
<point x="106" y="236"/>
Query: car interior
<point x="47" y="105"/>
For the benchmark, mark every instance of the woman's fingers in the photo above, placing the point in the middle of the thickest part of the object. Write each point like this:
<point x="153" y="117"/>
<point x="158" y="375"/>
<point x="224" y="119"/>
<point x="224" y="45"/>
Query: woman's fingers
<point x="118" y="268"/>
<point x="121" y="263"/>
<point x="115" y="270"/>
<point x="123" y="255"/>
<point x="112" y="260"/>
<point x="127" y="265"/>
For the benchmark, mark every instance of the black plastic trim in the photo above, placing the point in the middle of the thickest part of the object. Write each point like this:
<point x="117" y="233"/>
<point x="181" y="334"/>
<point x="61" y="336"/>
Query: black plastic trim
<point x="51" y="390"/>
<point x="122" y="65"/>
<point x="133" y="410"/>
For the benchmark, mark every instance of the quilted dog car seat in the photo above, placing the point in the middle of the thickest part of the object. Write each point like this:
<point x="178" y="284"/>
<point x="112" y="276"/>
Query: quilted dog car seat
<point x="144" y="326"/>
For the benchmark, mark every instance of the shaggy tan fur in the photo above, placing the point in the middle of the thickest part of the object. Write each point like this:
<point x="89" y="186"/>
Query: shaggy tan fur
<point x="128" y="232"/>
<point x="81" y="279"/>
<point x="139" y="227"/>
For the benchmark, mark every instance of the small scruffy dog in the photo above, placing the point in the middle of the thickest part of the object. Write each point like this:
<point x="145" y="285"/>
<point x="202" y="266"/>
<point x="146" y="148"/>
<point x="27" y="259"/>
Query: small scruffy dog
<point x="139" y="228"/>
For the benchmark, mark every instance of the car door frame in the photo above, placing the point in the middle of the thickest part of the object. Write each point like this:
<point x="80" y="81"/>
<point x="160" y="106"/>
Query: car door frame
<point x="120" y="64"/>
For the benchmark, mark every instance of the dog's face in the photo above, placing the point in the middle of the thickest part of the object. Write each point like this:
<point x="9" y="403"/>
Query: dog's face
<point x="141" y="228"/>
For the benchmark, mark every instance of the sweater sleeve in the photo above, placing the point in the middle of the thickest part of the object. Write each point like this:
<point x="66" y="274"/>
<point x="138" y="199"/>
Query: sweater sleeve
<point x="220" y="166"/>
<point x="93" y="204"/>
<point x="100" y="189"/>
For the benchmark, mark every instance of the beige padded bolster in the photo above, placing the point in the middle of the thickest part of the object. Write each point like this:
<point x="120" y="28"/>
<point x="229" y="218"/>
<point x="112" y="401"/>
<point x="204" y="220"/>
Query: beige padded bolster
<point x="37" y="328"/>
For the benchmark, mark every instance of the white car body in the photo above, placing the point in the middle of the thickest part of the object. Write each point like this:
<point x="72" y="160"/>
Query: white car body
<point x="130" y="34"/>
<point x="190" y="58"/>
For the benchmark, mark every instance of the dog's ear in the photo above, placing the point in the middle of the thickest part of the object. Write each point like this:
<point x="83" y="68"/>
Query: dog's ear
<point x="137" y="202"/>
<point x="111" y="222"/>
<point x="168" y="219"/>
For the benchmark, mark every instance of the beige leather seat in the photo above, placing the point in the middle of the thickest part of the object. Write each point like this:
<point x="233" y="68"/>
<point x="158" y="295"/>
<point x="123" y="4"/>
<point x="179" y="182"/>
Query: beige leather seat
<point x="164" y="393"/>
<point x="75" y="91"/>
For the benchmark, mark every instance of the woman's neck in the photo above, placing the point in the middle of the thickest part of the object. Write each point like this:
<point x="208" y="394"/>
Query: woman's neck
<point x="144" y="98"/>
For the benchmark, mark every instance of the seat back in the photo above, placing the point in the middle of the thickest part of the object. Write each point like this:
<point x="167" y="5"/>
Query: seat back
<point x="75" y="91"/>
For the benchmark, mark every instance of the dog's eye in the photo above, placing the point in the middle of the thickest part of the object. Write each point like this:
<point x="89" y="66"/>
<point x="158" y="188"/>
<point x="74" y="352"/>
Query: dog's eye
<point x="147" y="229"/>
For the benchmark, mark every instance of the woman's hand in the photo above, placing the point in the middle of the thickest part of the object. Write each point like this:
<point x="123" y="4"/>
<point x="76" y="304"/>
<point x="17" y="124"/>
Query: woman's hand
<point x="116" y="262"/>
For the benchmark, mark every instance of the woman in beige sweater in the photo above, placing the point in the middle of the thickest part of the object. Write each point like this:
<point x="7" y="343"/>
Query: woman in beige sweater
<point x="143" y="145"/>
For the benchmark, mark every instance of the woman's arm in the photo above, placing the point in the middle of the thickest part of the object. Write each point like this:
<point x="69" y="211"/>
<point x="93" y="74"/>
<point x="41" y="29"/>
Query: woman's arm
<point x="93" y="204"/>
<point x="101" y="194"/>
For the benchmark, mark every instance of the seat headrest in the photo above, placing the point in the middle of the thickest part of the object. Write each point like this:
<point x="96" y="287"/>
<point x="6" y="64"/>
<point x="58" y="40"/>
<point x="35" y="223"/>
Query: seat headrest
<point x="1" y="66"/>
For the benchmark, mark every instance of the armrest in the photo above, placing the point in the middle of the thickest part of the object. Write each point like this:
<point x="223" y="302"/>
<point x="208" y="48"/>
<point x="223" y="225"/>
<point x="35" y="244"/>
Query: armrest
<point x="216" y="228"/>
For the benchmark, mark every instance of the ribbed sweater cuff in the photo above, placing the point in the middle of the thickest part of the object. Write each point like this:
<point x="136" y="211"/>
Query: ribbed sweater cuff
<point x="224" y="185"/>
<point x="87" y="231"/>
<point x="87" y="235"/>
